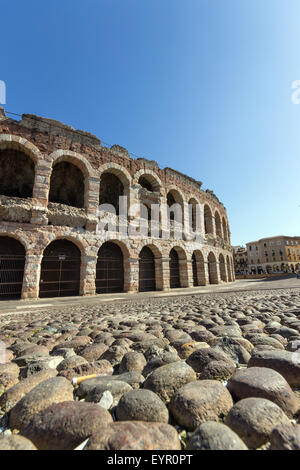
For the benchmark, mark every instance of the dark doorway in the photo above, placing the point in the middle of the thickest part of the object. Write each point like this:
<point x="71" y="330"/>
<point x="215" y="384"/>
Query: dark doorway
<point x="16" y="174"/>
<point x="60" y="271"/>
<point x="110" y="269"/>
<point x="147" y="280"/>
<point x="195" y="274"/>
<point x="12" y="262"/>
<point x="174" y="270"/>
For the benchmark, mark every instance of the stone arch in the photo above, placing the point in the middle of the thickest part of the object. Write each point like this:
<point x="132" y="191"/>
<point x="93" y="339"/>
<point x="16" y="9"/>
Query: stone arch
<point x="67" y="185"/>
<point x="222" y="265"/>
<point x="114" y="182"/>
<point x="178" y="268"/>
<point x="218" y="224"/>
<point x="158" y="265"/>
<point x="225" y="232"/>
<point x="110" y="268"/>
<point x="198" y="266"/>
<point x="208" y="220"/>
<point x="151" y="177"/>
<point x="147" y="275"/>
<point x="18" y="161"/>
<point x="194" y="214"/>
<point x="229" y="276"/>
<point x="60" y="269"/>
<point x="88" y="178"/>
<point x="175" y="217"/>
<point x="10" y="141"/>
<point x="212" y="269"/>
<point x="12" y="265"/>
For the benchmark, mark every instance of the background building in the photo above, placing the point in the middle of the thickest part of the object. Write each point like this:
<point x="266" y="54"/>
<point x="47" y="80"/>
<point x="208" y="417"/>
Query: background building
<point x="240" y="259"/>
<point x="274" y="254"/>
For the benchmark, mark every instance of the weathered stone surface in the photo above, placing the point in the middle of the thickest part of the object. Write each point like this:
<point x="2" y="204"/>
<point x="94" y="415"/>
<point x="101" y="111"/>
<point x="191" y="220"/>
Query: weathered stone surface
<point x="132" y="361"/>
<point x="142" y="405"/>
<point x="262" y="382"/>
<point x="94" y="351"/>
<point x="9" y="368"/>
<point x="50" y="391"/>
<point x="200" y="358"/>
<point x="233" y="349"/>
<point x="15" y="393"/>
<point x="285" y="362"/>
<point x="218" y="370"/>
<point x="215" y="436"/>
<point x="253" y="419"/>
<point x="135" y="435"/>
<point x="71" y="362"/>
<point x="165" y="380"/>
<point x="16" y="442"/>
<point x="116" y="387"/>
<point x="200" y="401"/>
<point x="101" y="367"/>
<point x="285" y="437"/>
<point x="186" y="349"/>
<point x="63" y="426"/>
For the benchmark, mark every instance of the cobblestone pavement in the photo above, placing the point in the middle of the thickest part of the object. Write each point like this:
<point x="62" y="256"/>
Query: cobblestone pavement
<point x="210" y="370"/>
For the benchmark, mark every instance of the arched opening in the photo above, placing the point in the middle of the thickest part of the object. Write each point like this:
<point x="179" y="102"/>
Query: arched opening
<point x="218" y="224"/>
<point x="175" y="213"/>
<point x="60" y="270"/>
<point x="174" y="270"/>
<point x="12" y="263"/>
<point x="145" y="183"/>
<point x="16" y="174"/>
<point x="222" y="268"/>
<point x="198" y="269"/>
<point x="111" y="188"/>
<point x="145" y="218"/>
<point x="150" y="182"/>
<point x="147" y="278"/>
<point x="195" y="271"/>
<point x="212" y="269"/>
<point x="208" y="220"/>
<point x="229" y="277"/>
<point x="225" y="234"/>
<point x="193" y="215"/>
<point x="67" y="185"/>
<point x="110" y="269"/>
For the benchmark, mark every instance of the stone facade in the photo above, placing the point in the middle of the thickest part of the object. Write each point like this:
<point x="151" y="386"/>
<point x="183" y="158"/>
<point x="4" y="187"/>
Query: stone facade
<point x="240" y="259"/>
<point x="37" y="221"/>
<point x="274" y="254"/>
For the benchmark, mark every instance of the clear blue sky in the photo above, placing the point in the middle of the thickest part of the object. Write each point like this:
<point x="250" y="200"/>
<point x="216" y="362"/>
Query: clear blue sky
<point x="203" y="86"/>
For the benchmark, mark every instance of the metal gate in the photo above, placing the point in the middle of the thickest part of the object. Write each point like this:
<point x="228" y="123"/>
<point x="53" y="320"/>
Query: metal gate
<point x="60" y="271"/>
<point x="174" y="269"/>
<point x="12" y="262"/>
<point x="110" y="269"/>
<point x="147" y="280"/>
<point x="194" y="266"/>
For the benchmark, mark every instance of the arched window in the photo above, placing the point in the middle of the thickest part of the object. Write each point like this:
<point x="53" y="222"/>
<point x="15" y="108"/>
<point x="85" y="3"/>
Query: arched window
<point x="67" y="185"/>
<point x="16" y="174"/>
<point x="111" y="188"/>
<point x="208" y="220"/>
<point x="218" y="224"/>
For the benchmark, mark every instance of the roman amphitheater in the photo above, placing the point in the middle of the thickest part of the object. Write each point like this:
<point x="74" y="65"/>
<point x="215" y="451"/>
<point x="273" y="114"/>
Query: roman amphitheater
<point x="52" y="180"/>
